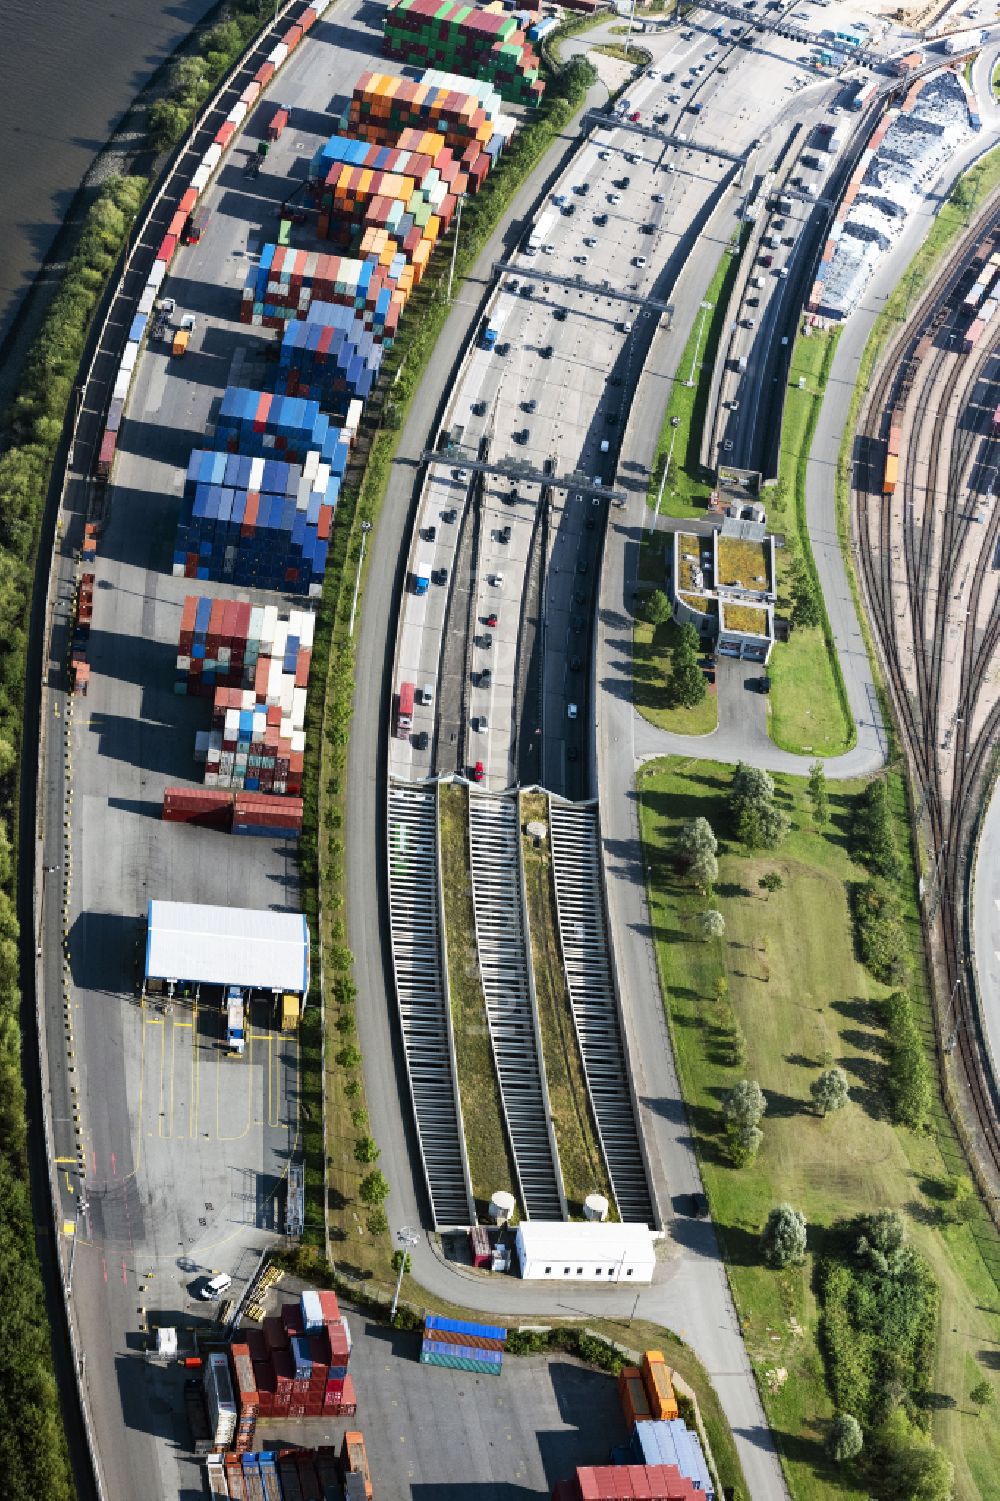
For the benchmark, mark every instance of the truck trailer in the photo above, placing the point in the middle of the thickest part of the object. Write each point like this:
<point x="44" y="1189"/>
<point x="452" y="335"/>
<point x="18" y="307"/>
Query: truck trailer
<point x="235" y="1020"/>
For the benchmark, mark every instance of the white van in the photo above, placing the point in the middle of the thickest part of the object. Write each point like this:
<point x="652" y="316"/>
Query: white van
<point x="216" y="1287"/>
<point x="427" y="693"/>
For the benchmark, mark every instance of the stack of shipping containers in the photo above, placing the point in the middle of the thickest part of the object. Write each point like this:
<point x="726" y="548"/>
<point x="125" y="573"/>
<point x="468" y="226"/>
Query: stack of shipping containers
<point x="483" y="40"/>
<point x="296" y="1366"/>
<point x="623" y="1482"/>
<point x="462" y="1346"/>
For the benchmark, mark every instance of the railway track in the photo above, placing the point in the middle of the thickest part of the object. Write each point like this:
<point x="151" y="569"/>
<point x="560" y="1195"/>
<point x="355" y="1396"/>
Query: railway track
<point x="945" y="398"/>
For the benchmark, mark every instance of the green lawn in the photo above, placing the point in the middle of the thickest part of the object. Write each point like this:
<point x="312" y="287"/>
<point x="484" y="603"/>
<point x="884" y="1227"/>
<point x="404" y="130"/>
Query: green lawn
<point x="686" y="490"/>
<point x="807" y="713"/>
<point x="582" y="1165"/>
<point x="490" y="1166"/>
<point x="800" y="997"/>
<point x="651" y="674"/>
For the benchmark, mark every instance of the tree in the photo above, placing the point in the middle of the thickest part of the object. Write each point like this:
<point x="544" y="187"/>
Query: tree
<point x="744" y="1144"/>
<point x="771" y="881"/>
<point x="365" y="1150"/>
<point x="962" y="1192"/>
<point x="845" y="1440"/>
<point x="874" y="831"/>
<point x="817" y="793"/>
<point x="783" y="1241"/>
<point x="687" y="644"/>
<point x="704" y="870"/>
<point x="806" y="609"/>
<point x="984" y="1395"/>
<point x="759" y="822"/>
<point x="882" y="1241"/>
<point x="829" y="1090"/>
<point x="348" y="1056"/>
<point x="401" y="1259"/>
<point x="377" y="1222"/>
<point x="712" y="924"/>
<point x="657" y="608"/>
<point x="373" y="1189"/>
<point x="745" y="1104"/>
<point x="687" y="686"/>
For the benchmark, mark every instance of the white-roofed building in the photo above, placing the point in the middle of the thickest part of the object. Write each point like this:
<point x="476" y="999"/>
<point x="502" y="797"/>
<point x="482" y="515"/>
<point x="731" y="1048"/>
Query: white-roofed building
<point x="559" y="1251"/>
<point x="201" y="945"/>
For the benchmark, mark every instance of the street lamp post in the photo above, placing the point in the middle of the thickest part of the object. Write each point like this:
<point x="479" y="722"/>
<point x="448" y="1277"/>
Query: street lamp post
<point x="366" y="527"/>
<point x="674" y="423"/>
<point x="454" y="246"/>
<point x="405" y="1237"/>
<point x="697" y="343"/>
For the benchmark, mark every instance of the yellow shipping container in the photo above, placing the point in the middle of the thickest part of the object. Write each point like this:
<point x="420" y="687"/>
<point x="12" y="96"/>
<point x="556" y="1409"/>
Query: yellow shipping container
<point x="659" y="1387"/>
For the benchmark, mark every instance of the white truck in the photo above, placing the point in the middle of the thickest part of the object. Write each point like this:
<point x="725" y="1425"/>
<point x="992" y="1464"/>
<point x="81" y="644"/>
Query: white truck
<point x="541" y="232"/>
<point x="964" y="41"/>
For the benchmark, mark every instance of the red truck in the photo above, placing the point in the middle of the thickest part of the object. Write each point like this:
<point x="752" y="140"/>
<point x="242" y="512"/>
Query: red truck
<point x="278" y="122"/>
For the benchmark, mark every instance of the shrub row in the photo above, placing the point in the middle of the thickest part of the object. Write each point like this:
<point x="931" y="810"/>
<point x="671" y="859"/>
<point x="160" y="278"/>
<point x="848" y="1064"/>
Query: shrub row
<point x="874" y="834"/>
<point x="881" y="936"/>
<point x="910" y="1085"/>
<point x="31" y="1439"/>
<point x="192" y="78"/>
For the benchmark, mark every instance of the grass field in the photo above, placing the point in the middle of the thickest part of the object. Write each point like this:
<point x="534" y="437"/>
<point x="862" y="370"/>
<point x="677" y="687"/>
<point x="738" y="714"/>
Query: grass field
<point x="490" y="1166"/>
<point x="583" y="1167"/>
<point x="802" y="999"/>
<point x="806" y="709"/>
<point x="651" y="674"/>
<point x="686" y="490"/>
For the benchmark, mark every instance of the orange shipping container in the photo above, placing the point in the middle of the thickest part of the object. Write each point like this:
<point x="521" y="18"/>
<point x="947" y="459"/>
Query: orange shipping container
<point x="659" y="1387"/>
<point x="635" y="1405"/>
<point x="891" y="474"/>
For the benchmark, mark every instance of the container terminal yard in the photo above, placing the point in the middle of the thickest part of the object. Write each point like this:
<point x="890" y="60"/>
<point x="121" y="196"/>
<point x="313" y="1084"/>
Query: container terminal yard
<point x="218" y="425"/>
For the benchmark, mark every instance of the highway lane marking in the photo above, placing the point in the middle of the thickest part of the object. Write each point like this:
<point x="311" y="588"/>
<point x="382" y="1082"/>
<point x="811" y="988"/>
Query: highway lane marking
<point x="195" y="1077"/>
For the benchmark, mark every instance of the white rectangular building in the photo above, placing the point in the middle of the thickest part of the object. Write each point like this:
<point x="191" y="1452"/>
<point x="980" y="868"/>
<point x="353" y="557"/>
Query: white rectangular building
<point x="554" y="1250"/>
<point x="201" y="945"/>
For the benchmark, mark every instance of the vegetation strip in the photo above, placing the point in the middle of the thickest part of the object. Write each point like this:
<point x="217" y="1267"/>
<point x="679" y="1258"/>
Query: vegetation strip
<point x="765" y="1013"/>
<point x="490" y="1166"/>
<point x="686" y="491"/>
<point x="582" y="1164"/>
<point x="810" y="714"/>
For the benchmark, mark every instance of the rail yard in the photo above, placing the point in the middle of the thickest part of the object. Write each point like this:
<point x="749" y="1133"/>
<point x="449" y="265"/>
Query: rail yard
<point x="521" y="1101"/>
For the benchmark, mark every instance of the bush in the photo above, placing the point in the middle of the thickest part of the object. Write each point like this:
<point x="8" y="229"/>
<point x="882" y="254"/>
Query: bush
<point x="874" y="834"/>
<point x="656" y="608"/>
<point x="783" y="1241"/>
<point x="846" y="1440"/>
<point x="829" y="1091"/>
<point x="758" y="821"/>
<point x="909" y="1075"/>
<point x="881" y="939"/>
<point x="878" y="1324"/>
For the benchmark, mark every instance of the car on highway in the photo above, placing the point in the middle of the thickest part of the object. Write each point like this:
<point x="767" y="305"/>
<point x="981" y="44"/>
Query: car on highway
<point x="522" y="436"/>
<point x="582" y="259"/>
<point x="697" y="1206"/>
<point x="604" y="156"/>
<point x="546" y="351"/>
<point x="626" y="326"/>
<point x="478" y="772"/>
<point x="601" y="219"/>
<point x="492" y="619"/>
<point x="559" y="314"/>
<point x="420" y="740"/>
<point x="485" y="678"/>
<point x="640" y="261"/>
<point x="450" y="515"/>
<point x="767" y="260"/>
<point x="531" y="405"/>
<point x="695" y="108"/>
<point x="440" y="576"/>
<point x="571" y="711"/>
<point x="430" y="533"/>
<point x="590" y="241"/>
<point x="657" y="198"/>
<point x="504" y="535"/>
<point x="548" y="250"/>
<point x="635" y="116"/>
<point x="479" y="409"/>
<point x="486" y="641"/>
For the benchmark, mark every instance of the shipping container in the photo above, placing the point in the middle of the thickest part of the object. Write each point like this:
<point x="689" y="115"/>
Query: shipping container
<point x="659" y="1387"/>
<point x="891" y="474"/>
<point x="404" y="711"/>
<point x="354" y="1458"/>
<point x="277" y="123"/>
<point x="635" y="1404"/>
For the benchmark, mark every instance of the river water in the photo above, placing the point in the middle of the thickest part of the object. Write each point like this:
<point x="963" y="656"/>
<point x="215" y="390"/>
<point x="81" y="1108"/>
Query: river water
<point x="69" y="69"/>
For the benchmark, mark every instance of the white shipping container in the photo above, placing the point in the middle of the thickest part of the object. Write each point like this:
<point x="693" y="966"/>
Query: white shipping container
<point x="122" y="382"/>
<point x="129" y="357"/>
<point x="278" y="54"/>
<point x="212" y="157"/>
<point x="237" y="114"/>
<point x="157" y="272"/>
<point x="145" y="304"/>
<point x="200" y="179"/>
<point x="312" y="1313"/>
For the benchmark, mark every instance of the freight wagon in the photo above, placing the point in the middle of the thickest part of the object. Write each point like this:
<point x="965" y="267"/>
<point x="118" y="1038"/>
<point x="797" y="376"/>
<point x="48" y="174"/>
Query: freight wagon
<point x="891" y="474"/>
